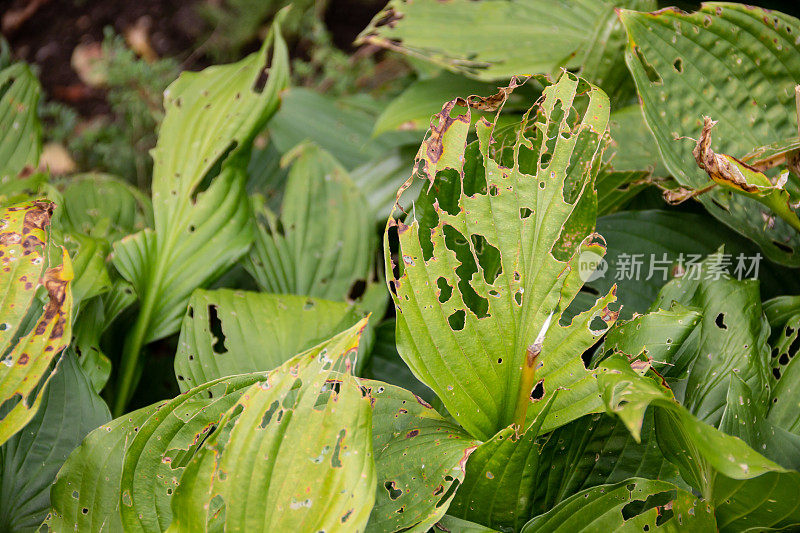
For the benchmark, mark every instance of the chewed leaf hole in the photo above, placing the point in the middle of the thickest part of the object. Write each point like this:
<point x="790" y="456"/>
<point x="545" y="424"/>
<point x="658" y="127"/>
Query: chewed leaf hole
<point x="445" y="289"/>
<point x="457" y="320"/>
<point x="538" y="391"/>
<point x="660" y="500"/>
<point x="215" y="327"/>
<point x="678" y="65"/>
<point x="720" y="321"/>
<point x="394" y="492"/>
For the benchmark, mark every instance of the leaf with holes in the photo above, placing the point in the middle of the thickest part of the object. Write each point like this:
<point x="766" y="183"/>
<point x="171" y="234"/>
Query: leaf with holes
<point x="635" y="504"/>
<point x="214" y="116"/>
<point x="294" y="453"/>
<point x="420" y="459"/>
<point x="731" y="338"/>
<point x="229" y="332"/>
<point x="489" y="258"/>
<point x="783" y="314"/>
<point x="745" y="488"/>
<point x="736" y="64"/>
<point x="546" y="34"/>
<point x="321" y="246"/>
<point x="29" y="341"/>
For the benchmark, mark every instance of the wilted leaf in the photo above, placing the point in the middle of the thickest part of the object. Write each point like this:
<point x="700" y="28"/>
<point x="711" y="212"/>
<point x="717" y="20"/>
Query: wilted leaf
<point x="487" y="262"/>
<point x="229" y="332"/>
<point x="734" y="63"/>
<point x="29" y="346"/>
<point x="635" y="504"/>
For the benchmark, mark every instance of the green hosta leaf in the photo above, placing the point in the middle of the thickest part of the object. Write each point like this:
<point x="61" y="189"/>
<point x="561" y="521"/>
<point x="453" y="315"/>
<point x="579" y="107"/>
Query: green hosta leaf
<point x="644" y="237"/>
<point x="632" y="145"/>
<point x="322" y="244"/>
<point x="487" y="262"/>
<point x="731" y="339"/>
<point x="420" y="459"/>
<point x="632" y="505"/>
<point x="27" y="349"/>
<point x="229" y="332"/>
<point x="617" y="188"/>
<point x="294" y="453"/>
<point x="103" y="207"/>
<point x="125" y="473"/>
<point x="473" y="37"/>
<point x="211" y="119"/>
<point x="379" y="180"/>
<point x="30" y="460"/>
<point x="88" y="255"/>
<point x="451" y="523"/>
<point x="501" y="477"/>
<point x="783" y="314"/>
<point x="343" y="128"/>
<point x="385" y="364"/>
<point x="20" y="131"/>
<point x="735" y="64"/>
<point x="86" y="493"/>
<point x="658" y="334"/>
<point x="746" y="488"/>
<point x="413" y="108"/>
<point x="595" y="450"/>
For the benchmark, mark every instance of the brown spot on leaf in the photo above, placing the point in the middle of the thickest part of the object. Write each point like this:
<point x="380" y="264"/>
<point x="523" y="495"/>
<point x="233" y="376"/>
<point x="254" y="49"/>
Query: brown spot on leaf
<point x="718" y="167"/>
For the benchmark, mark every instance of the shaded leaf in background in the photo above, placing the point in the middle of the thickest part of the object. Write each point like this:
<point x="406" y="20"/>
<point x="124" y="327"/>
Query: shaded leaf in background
<point x="20" y="131"/>
<point x="228" y="332"/>
<point x="736" y="64"/>
<point x="343" y="128"/>
<point x="647" y="235"/>
<point x="29" y="461"/>
<point x="323" y="241"/>
<point x="198" y="233"/>
<point x="487" y="261"/>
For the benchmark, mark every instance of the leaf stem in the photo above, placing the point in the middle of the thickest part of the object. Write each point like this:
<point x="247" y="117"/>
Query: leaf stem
<point x="130" y="357"/>
<point x="527" y="381"/>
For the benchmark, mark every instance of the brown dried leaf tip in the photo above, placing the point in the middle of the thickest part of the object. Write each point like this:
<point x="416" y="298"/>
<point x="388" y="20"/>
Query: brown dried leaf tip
<point x="719" y="168"/>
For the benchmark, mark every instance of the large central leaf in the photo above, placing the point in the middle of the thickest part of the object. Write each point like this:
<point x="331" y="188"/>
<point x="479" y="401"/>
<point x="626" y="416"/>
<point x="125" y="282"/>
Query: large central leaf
<point x="488" y="259"/>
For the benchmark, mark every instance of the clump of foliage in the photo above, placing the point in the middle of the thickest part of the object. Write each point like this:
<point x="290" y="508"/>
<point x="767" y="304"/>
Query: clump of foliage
<point x="369" y="333"/>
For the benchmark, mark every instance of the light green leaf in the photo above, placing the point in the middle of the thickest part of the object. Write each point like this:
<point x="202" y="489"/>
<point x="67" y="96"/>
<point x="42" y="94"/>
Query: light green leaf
<point x="378" y="181"/>
<point x="632" y="505"/>
<point x="487" y="262"/>
<point x="420" y="459"/>
<point x="323" y="242"/>
<point x="229" y="332"/>
<point x="30" y="460"/>
<point x="27" y="347"/>
<point x="451" y="523"/>
<point x="733" y="63"/>
<point x="211" y="119"/>
<point x="20" y="131"/>
<point x="294" y="453"/>
<point x="632" y="144"/>
<point x="473" y="37"/>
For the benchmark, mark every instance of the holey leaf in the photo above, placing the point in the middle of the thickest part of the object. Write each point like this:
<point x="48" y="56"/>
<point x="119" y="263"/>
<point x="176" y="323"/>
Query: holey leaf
<point x="488" y="260"/>
<point x="29" y="339"/>
<point x="293" y="454"/>
<point x="211" y="119"/>
<point x="124" y="475"/>
<point x="736" y="64"/>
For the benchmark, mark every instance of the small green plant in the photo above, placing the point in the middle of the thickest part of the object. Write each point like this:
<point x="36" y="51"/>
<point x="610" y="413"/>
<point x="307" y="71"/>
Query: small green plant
<point x="530" y="339"/>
